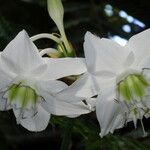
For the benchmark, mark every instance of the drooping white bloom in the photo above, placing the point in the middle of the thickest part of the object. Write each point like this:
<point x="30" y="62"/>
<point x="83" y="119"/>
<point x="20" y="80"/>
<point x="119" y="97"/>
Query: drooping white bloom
<point x="28" y="83"/>
<point x="119" y="76"/>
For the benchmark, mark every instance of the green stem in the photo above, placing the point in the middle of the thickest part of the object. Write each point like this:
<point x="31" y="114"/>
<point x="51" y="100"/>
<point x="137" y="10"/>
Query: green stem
<point x="65" y="40"/>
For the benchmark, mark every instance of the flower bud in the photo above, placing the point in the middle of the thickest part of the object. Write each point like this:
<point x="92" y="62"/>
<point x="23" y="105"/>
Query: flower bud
<point x="56" y="12"/>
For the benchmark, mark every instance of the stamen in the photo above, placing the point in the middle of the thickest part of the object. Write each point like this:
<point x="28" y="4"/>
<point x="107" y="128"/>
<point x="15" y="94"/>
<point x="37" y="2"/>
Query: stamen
<point x="49" y="50"/>
<point x="144" y="132"/>
<point x="57" y="35"/>
<point x="45" y="35"/>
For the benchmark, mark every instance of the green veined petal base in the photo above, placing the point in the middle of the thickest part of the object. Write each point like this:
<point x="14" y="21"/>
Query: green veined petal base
<point x="22" y="96"/>
<point x="132" y="86"/>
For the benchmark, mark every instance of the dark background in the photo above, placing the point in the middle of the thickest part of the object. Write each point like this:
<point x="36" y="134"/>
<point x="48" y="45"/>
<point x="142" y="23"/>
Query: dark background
<point x="115" y="19"/>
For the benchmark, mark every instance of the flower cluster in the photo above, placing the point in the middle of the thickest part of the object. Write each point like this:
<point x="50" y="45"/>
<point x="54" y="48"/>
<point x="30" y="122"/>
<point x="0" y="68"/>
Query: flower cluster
<point x="114" y="80"/>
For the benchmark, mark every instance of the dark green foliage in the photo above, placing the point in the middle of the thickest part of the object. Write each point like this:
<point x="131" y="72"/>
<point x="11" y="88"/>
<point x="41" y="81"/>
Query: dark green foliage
<point x="86" y="130"/>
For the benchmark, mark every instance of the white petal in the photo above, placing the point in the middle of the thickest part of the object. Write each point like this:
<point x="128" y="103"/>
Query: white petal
<point x="21" y="56"/>
<point x="92" y="103"/>
<point x="62" y="67"/>
<point x="103" y="54"/>
<point x="139" y="44"/>
<point x="50" y="86"/>
<point x="81" y="89"/>
<point x="38" y="122"/>
<point x="144" y="64"/>
<point x="48" y="91"/>
<point x="57" y="107"/>
<point x="72" y="116"/>
<point x="146" y="74"/>
<point x="129" y="60"/>
<point x="6" y="76"/>
<point x="109" y="111"/>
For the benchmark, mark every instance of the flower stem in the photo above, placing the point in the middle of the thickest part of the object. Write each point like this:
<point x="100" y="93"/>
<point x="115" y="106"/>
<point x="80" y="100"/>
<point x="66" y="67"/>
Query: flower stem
<point x="144" y="132"/>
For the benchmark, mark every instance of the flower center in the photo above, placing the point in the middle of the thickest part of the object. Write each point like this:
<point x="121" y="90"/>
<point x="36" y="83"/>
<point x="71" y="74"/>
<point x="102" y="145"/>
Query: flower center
<point x="132" y="86"/>
<point x="21" y="96"/>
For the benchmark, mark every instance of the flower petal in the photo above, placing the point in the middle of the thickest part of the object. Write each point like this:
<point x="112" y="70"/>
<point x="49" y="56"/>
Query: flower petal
<point x="62" y="67"/>
<point x="129" y="60"/>
<point x="146" y="73"/>
<point x="139" y="44"/>
<point x="38" y="122"/>
<point x="90" y="103"/>
<point x="48" y="91"/>
<point x="6" y="76"/>
<point x="81" y="89"/>
<point x="50" y="86"/>
<point x="144" y="64"/>
<point x="21" y="56"/>
<point x="109" y="111"/>
<point x="103" y="54"/>
<point x="58" y="107"/>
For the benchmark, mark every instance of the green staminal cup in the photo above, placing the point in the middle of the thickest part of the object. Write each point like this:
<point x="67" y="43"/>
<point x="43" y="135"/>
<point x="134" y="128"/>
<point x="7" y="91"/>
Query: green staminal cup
<point x="132" y="86"/>
<point x="22" y="96"/>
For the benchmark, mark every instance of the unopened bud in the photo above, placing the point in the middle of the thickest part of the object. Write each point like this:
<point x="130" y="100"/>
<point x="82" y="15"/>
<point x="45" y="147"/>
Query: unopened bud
<point x="56" y="12"/>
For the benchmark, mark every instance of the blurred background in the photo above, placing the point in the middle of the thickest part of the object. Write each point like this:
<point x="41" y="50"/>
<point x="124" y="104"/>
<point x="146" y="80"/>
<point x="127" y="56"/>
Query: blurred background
<point x="118" y="20"/>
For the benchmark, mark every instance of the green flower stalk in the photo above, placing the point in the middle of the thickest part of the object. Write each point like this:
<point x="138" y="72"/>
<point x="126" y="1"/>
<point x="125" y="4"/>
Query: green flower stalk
<point x="56" y="12"/>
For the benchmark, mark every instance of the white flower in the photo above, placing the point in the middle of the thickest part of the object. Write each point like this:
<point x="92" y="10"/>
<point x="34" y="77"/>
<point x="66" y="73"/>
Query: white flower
<point x="28" y="83"/>
<point x="119" y="76"/>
